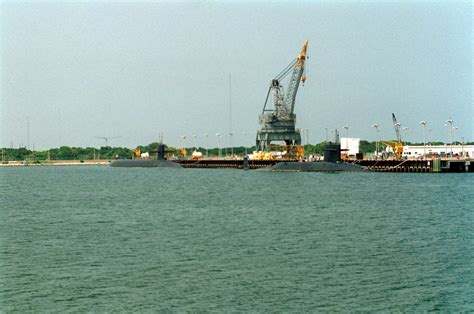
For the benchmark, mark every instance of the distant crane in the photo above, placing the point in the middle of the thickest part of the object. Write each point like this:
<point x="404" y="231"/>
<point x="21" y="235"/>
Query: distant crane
<point x="107" y="139"/>
<point x="397" y="126"/>
<point x="397" y="146"/>
<point x="278" y="123"/>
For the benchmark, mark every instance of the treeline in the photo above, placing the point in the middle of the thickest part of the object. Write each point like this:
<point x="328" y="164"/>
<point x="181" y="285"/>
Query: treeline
<point x="65" y="153"/>
<point x="108" y="152"/>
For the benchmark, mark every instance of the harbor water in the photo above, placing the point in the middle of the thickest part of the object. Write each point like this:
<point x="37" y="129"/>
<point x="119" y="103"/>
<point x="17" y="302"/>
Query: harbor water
<point x="105" y="239"/>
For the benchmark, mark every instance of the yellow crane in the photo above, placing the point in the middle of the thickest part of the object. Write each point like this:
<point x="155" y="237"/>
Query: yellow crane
<point x="396" y="148"/>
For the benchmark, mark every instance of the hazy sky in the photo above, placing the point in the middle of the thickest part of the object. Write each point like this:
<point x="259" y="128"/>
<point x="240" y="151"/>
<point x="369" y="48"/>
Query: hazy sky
<point x="128" y="69"/>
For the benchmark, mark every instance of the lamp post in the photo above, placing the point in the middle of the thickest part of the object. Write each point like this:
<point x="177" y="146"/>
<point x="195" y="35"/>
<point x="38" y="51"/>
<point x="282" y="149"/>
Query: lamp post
<point x="184" y="145"/>
<point x="327" y="139"/>
<point x="207" y="144"/>
<point x="219" y="136"/>
<point x="347" y="140"/>
<point x="449" y="124"/>
<point x="231" y="145"/>
<point x="307" y="136"/>
<point x="406" y="131"/>
<point x="455" y="128"/>
<point x="423" y="123"/>
<point x="194" y="142"/>
<point x="447" y="137"/>
<point x="376" y="127"/>
<point x="429" y="136"/>
<point x="245" y="144"/>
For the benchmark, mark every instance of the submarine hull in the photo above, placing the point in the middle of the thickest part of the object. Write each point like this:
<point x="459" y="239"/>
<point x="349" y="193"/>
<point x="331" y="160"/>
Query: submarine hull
<point x="147" y="163"/>
<point x="317" y="166"/>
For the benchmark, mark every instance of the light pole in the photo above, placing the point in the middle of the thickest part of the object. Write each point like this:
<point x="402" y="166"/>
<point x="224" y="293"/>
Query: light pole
<point x="429" y="136"/>
<point x="376" y="126"/>
<point x="447" y="137"/>
<point x="183" y="151"/>
<point x="449" y="123"/>
<point x="207" y="144"/>
<point x="194" y="142"/>
<point x="231" y="144"/>
<point x="219" y="136"/>
<point x="423" y="123"/>
<point x="406" y="131"/>
<point x="327" y="139"/>
<point x="28" y="132"/>
<point x="245" y="144"/>
<point x="347" y="140"/>
<point x="455" y="128"/>
<point x="307" y="136"/>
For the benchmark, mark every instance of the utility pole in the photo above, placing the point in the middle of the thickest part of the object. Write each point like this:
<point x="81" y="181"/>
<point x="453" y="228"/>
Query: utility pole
<point x="219" y="136"/>
<point x="184" y="146"/>
<point x="376" y="126"/>
<point x="28" y="132"/>
<point x="207" y="144"/>
<point x="307" y="136"/>
<point x="455" y="128"/>
<point x="449" y="123"/>
<point x="347" y="140"/>
<point x="230" y="116"/>
<point x="406" y="132"/>
<point x="423" y="123"/>
<point x="245" y="145"/>
<point x="59" y="125"/>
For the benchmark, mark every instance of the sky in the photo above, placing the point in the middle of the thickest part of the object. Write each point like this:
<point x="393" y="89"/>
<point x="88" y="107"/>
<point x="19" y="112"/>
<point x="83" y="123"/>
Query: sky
<point x="75" y="71"/>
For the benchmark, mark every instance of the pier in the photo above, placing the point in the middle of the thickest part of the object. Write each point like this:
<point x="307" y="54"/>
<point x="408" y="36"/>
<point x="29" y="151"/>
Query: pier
<point x="436" y="165"/>
<point x="227" y="163"/>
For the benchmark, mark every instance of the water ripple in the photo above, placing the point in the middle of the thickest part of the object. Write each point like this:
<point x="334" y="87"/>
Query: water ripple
<point x="109" y="239"/>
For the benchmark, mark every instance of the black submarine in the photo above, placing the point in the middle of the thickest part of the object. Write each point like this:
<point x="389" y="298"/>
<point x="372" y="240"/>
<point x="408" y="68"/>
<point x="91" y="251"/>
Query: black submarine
<point x="332" y="163"/>
<point x="160" y="161"/>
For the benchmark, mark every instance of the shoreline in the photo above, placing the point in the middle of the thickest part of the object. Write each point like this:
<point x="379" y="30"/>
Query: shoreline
<point x="56" y="163"/>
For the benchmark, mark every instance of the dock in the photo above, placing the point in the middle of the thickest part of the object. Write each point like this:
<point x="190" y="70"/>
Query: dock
<point x="436" y="165"/>
<point x="227" y="163"/>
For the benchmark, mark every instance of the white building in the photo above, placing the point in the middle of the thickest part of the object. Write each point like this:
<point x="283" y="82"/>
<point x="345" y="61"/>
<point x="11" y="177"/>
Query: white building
<point x="413" y="152"/>
<point x="349" y="143"/>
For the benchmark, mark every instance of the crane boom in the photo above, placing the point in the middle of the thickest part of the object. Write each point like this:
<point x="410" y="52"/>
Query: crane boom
<point x="296" y="77"/>
<point x="397" y="146"/>
<point x="397" y="126"/>
<point x="278" y="121"/>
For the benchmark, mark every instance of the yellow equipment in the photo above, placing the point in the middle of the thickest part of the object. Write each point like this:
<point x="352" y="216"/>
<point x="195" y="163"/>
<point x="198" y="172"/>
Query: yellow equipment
<point x="291" y="152"/>
<point x="396" y="147"/>
<point x="262" y="156"/>
<point x="136" y="153"/>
